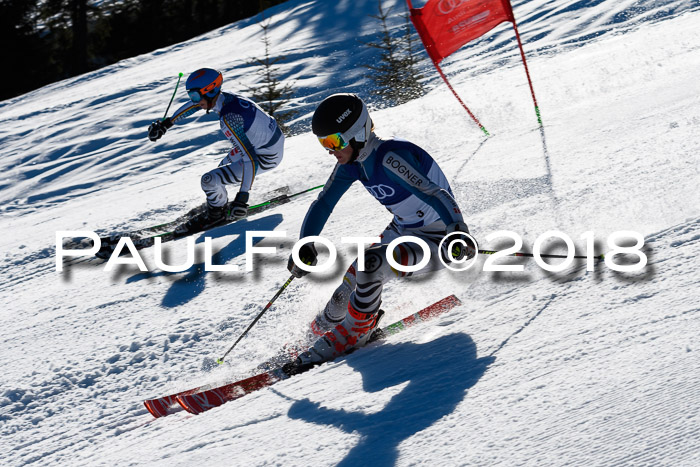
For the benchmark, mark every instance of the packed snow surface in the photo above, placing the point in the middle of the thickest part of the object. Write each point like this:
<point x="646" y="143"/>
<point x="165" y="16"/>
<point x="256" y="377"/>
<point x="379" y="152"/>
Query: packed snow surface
<point x="577" y="367"/>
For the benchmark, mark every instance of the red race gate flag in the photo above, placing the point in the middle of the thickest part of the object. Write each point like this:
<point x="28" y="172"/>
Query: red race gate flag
<point x="446" y="25"/>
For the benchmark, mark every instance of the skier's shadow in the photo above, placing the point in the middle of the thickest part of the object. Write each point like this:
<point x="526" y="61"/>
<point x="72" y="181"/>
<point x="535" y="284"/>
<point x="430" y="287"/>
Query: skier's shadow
<point x="189" y="286"/>
<point x="439" y="374"/>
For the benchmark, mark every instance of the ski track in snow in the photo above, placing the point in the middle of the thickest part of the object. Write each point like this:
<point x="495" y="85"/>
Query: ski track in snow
<point x="572" y="368"/>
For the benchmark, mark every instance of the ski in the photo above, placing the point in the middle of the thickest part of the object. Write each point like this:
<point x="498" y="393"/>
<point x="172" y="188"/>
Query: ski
<point x="542" y="255"/>
<point x="203" y="398"/>
<point x="146" y="237"/>
<point x="199" y="402"/>
<point x="162" y="406"/>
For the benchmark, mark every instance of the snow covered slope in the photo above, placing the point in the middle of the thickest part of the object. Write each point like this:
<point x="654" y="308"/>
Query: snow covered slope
<point x="576" y="367"/>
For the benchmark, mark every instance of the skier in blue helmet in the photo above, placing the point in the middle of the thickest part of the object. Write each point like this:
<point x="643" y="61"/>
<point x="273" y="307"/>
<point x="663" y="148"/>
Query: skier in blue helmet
<point x="258" y="144"/>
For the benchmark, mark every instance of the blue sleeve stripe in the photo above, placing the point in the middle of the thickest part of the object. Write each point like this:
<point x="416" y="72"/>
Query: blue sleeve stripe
<point x="184" y="111"/>
<point x="321" y="209"/>
<point x="276" y="137"/>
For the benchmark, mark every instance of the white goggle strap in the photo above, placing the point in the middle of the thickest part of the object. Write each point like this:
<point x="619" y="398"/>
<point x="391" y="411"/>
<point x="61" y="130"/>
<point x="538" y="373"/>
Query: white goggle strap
<point x="357" y="130"/>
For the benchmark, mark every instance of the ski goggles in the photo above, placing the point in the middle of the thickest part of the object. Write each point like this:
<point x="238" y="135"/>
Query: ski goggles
<point x="211" y="90"/>
<point x="334" y="142"/>
<point x="196" y="95"/>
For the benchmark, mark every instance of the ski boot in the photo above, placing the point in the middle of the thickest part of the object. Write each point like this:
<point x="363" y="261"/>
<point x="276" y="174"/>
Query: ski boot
<point x="356" y="330"/>
<point x="208" y="218"/>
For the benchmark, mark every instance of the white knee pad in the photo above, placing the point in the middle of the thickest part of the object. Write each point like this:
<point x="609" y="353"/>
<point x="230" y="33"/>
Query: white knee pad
<point x="209" y="181"/>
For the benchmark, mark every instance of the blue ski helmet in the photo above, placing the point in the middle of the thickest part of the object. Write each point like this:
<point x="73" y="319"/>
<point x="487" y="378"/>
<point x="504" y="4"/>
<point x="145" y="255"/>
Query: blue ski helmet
<point x="204" y="83"/>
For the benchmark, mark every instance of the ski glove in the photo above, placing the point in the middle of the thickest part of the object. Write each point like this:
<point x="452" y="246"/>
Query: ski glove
<point x="307" y="255"/>
<point x="158" y="128"/>
<point x="239" y="206"/>
<point x="461" y="246"/>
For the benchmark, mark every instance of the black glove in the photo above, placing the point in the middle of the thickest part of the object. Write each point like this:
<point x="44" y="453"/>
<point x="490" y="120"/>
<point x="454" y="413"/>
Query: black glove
<point x="461" y="246"/>
<point x="158" y="128"/>
<point x="239" y="206"/>
<point x="307" y="255"/>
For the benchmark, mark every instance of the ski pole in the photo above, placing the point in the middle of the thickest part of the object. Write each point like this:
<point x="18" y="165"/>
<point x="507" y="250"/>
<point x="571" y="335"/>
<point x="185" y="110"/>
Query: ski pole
<point x="179" y="76"/>
<point x="530" y="255"/>
<point x="267" y="307"/>
<point x="269" y="201"/>
<point x="284" y="197"/>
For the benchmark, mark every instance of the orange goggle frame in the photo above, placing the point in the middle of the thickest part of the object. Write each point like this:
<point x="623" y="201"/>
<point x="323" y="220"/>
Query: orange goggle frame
<point x="196" y="94"/>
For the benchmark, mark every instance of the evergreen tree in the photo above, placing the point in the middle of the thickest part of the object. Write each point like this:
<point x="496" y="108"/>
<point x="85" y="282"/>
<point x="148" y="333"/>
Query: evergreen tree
<point x="271" y="95"/>
<point x="413" y="87"/>
<point x="395" y="76"/>
<point x="67" y="38"/>
<point x="55" y="39"/>
<point x="22" y="47"/>
<point x="79" y="28"/>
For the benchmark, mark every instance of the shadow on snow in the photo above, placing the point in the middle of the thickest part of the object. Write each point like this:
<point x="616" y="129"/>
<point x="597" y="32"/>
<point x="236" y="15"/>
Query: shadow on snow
<point x="439" y="374"/>
<point x="193" y="282"/>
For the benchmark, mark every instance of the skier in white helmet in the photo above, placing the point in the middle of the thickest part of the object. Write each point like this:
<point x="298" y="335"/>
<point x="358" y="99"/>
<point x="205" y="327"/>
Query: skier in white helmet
<point x="411" y="185"/>
<point x="258" y="144"/>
